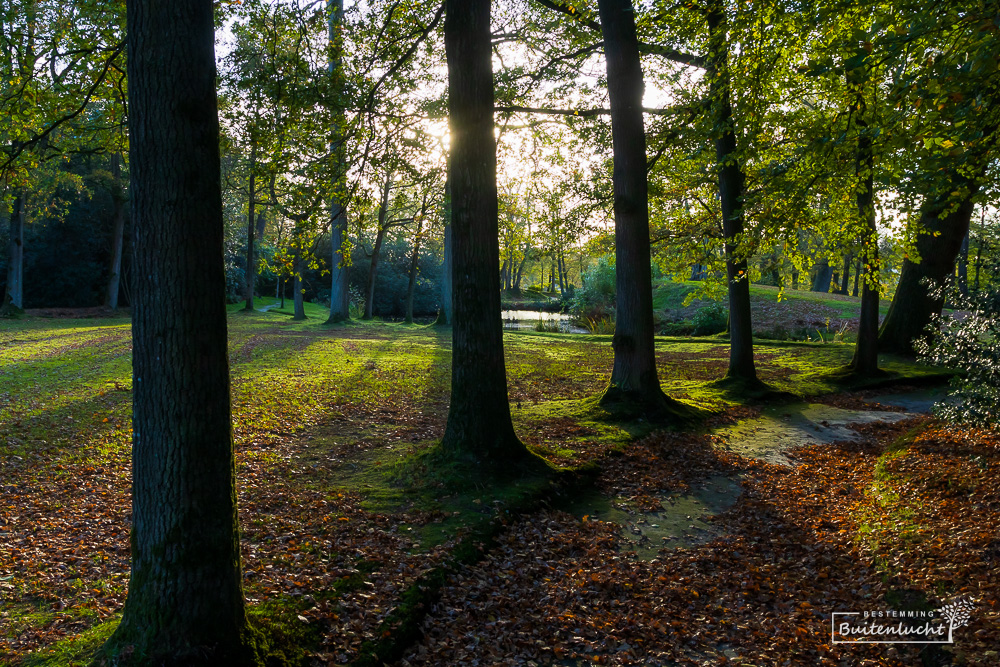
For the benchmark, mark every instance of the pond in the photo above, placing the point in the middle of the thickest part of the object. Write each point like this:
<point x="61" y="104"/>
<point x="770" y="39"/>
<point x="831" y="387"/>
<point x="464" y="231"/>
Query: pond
<point x="527" y="320"/>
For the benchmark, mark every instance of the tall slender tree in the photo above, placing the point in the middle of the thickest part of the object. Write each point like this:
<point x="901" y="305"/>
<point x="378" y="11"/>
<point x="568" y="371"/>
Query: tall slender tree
<point x="479" y="425"/>
<point x="732" y="186"/>
<point x="185" y="600"/>
<point x="633" y="378"/>
<point x="341" y="259"/>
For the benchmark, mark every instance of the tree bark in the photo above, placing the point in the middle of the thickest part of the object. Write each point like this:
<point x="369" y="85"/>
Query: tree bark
<point x="383" y="215"/>
<point x="118" y="199"/>
<point x="412" y="284"/>
<point x="865" y="361"/>
<point x="846" y="277"/>
<point x="298" y="301"/>
<point x="251" y="270"/>
<point x="824" y="276"/>
<point x="340" y="298"/>
<point x="445" y="312"/>
<point x="185" y="600"/>
<point x="479" y="426"/>
<point x="731" y="192"/>
<point x="938" y="243"/>
<point x="15" y="255"/>
<point x="634" y="379"/>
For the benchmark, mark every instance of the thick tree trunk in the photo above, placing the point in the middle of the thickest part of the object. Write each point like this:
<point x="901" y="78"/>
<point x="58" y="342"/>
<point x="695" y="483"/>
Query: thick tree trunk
<point x="185" y="600"/>
<point x="634" y="378"/>
<point x="731" y="192"/>
<point x="251" y="271"/>
<point x="865" y="361"/>
<point x="340" y="298"/>
<point x="479" y="425"/>
<point x="118" y="235"/>
<point x="938" y="244"/>
<point x="412" y="284"/>
<point x="15" y="255"/>
<point x="857" y="276"/>
<point x="824" y="276"/>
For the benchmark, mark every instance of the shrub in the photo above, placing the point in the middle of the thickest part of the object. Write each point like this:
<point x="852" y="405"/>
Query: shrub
<point x="970" y="343"/>
<point x="595" y="299"/>
<point x="710" y="319"/>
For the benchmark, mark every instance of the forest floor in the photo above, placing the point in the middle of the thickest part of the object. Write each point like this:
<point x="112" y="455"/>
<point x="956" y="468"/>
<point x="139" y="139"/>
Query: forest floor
<point x="353" y="547"/>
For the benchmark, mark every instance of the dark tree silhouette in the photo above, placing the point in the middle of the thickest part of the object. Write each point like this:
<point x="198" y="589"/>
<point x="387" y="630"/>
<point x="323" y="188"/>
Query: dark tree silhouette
<point x="185" y="600"/>
<point x="479" y="425"/>
<point x="633" y="378"/>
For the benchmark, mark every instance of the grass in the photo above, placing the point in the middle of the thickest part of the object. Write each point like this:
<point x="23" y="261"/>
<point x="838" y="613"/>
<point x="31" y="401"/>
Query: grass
<point x="344" y="415"/>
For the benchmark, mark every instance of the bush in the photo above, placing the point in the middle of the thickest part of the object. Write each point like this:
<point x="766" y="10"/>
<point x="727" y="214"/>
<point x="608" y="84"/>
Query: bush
<point x="969" y="343"/>
<point x="711" y="319"/>
<point x="595" y="299"/>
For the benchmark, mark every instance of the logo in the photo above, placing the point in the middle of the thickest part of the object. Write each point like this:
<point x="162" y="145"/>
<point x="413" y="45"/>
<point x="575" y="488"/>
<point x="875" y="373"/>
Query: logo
<point x="889" y="626"/>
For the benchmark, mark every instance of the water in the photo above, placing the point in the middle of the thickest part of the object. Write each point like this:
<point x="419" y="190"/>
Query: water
<point x="527" y="320"/>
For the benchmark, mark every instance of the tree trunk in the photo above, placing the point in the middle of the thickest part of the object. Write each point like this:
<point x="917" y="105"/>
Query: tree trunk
<point x="298" y="302"/>
<point x="15" y="255"/>
<point x="979" y="248"/>
<point x="938" y="244"/>
<point x="412" y="285"/>
<point x="445" y="313"/>
<point x="251" y="271"/>
<point x="865" y="361"/>
<point x="633" y="377"/>
<point x="824" y="276"/>
<point x="340" y="298"/>
<point x="963" y="266"/>
<point x="857" y="275"/>
<point x="372" y="274"/>
<point x="118" y="235"/>
<point x="185" y="600"/>
<point x="846" y="278"/>
<point x="383" y="217"/>
<point x="731" y="192"/>
<point x="520" y="271"/>
<point x="479" y="426"/>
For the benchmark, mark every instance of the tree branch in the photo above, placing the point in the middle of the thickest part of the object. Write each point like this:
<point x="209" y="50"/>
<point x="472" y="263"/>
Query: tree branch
<point x="673" y="55"/>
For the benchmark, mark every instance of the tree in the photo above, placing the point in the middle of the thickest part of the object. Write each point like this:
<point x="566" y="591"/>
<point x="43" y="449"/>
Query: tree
<point x="633" y="378"/>
<point x="185" y="601"/>
<point x="340" y="297"/>
<point x="732" y="190"/>
<point x="479" y="425"/>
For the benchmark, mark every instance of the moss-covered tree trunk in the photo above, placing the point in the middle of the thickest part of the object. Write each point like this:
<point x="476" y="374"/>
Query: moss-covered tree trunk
<point x="185" y="600"/>
<point x="943" y="225"/>
<point x="634" y="380"/>
<point x="732" y="182"/>
<point x="479" y="425"/>
<point x="865" y="361"/>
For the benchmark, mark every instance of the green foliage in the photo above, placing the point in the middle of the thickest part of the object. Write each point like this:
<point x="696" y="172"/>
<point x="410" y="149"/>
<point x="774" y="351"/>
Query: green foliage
<point x="711" y="319"/>
<point x="969" y="342"/>
<point x="595" y="300"/>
